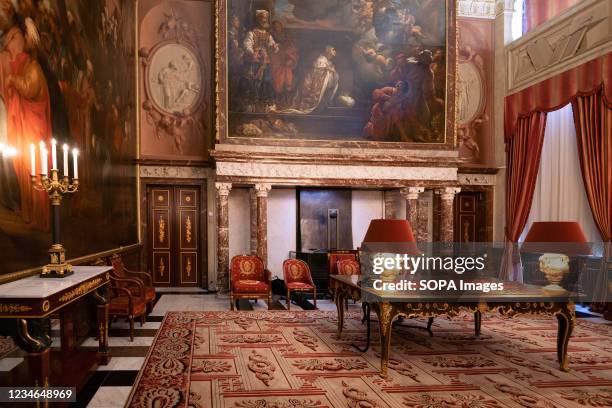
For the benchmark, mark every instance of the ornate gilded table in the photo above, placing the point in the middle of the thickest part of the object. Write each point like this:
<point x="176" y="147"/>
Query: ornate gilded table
<point x="518" y="299"/>
<point x="29" y="303"/>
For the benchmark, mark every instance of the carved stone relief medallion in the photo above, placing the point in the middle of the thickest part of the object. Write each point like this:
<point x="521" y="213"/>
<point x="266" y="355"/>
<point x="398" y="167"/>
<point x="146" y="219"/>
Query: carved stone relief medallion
<point x="470" y="92"/>
<point x="174" y="79"/>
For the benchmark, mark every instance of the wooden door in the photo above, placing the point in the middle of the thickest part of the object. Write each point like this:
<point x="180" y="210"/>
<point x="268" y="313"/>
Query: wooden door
<point x="174" y="230"/>
<point x="470" y="217"/>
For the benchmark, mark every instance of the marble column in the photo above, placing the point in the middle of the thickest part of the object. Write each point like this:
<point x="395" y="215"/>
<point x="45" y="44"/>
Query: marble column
<point x="261" y="191"/>
<point x="411" y="195"/>
<point x="447" y="199"/>
<point x="390" y="207"/>
<point x="253" y="215"/>
<point x="223" y="190"/>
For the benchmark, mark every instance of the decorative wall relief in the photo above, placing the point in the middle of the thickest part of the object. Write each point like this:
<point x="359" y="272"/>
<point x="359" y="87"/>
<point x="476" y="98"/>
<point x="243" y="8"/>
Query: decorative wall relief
<point x="474" y="102"/>
<point x="567" y="41"/>
<point x="175" y="79"/>
<point x="67" y="71"/>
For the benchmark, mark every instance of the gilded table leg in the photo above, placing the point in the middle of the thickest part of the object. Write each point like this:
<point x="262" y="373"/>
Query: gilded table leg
<point x="33" y="336"/>
<point x="385" y="313"/>
<point x="477" y="322"/>
<point x="339" y="299"/>
<point x="567" y="320"/>
<point x="99" y="297"/>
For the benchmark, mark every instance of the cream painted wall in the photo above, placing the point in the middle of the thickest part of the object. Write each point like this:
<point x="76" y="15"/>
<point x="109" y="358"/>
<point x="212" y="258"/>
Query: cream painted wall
<point x="282" y="206"/>
<point x="239" y="231"/>
<point x="367" y="205"/>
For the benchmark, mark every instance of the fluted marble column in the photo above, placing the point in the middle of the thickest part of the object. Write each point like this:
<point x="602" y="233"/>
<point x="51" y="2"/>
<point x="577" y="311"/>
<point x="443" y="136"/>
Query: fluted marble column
<point x="447" y="198"/>
<point x="390" y="207"/>
<point x="261" y="191"/>
<point x="223" y="190"/>
<point x="253" y="219"/>
<point x="411" y="195"/>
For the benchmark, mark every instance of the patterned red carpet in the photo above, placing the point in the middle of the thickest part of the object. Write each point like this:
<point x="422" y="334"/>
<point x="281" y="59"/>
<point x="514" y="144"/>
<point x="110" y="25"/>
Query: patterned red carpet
<point x="294" y="360"/>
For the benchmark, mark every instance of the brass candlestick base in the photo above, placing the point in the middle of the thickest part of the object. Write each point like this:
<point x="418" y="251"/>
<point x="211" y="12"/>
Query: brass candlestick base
<point x="57" y="266"/>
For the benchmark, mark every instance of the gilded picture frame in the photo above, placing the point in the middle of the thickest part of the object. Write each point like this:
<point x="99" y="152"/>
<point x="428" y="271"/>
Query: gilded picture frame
<point x="261" y="121"/>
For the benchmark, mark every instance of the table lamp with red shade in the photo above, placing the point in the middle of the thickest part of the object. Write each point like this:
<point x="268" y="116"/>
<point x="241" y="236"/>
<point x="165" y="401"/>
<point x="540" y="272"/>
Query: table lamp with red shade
<point x="388" y="237"/>
<point x="550" y="238"/>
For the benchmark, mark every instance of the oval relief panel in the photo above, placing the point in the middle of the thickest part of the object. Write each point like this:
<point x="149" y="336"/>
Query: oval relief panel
<point x="470" y="92"/>
<point x="174" y="79"/>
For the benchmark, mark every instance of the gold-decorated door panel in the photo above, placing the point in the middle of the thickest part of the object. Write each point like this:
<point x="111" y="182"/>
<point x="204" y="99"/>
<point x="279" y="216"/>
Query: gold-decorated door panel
<point x="470" y="217"/>
<point x="174" y="233"/>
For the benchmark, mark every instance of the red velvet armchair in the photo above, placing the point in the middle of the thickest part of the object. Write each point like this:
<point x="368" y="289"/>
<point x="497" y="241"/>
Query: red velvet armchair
<point x="127" y="301"/>
<point x="249" y="279"/>
<point x="348" y="267"/>
<point x="333" y="257"/>
<point x="298" y="279"/>
<point x="120" y="271"/>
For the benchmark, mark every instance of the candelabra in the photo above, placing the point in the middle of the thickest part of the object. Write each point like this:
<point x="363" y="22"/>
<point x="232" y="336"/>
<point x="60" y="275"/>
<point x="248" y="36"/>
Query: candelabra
<point x="56" y="187"/>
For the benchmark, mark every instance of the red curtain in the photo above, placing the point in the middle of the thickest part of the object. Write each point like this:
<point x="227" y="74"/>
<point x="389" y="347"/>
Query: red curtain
<point x="586" y="87"/>
<point x="523" y="159"/>
<point x="593" y="120"/>
<point x="537" y="12"/>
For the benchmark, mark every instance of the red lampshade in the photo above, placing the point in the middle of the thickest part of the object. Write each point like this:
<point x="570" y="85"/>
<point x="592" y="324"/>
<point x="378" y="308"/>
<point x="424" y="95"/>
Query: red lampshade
<point x="389" y="231"/>
<point x="568" y="235"/>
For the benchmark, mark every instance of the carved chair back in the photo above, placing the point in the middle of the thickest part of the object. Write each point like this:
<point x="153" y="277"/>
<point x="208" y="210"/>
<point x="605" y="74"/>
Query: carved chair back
<point x="296" y="270"/>
<point x="349" y="267"/>
<point x="334" y="256"/>
<point x="118" y="267"/>
<point x="247" y="267"/>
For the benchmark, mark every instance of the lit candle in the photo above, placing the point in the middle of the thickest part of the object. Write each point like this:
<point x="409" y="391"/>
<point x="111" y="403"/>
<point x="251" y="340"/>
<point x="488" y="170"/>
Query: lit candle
<point x="65" y="147"/>
<point x="33" y="158"/>
<point x="53" y="154"/>
<point x="75" y="155"/>
<point x="45" y="162"/>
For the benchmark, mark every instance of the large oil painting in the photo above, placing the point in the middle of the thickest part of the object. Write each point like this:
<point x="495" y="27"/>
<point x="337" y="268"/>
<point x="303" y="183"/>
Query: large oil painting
<point x="339" y="70"/>
<point x="67" y="70"/>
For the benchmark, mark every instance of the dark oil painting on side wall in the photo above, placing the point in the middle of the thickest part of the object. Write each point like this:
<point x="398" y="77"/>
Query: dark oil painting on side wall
<point x="66" y="69"/>
<point x="337" y="70"/>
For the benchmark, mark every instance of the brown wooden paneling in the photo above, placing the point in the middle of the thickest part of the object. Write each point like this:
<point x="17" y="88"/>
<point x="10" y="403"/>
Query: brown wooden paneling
<point x="470" y="217"/>
<point x="162" y="268"/>
<point x="174" y="231"/>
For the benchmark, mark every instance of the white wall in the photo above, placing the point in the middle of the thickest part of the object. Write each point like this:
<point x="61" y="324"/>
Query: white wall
<point x="239" y="222"/>
<point x="367" y="205"/>
<point x="282" y="207"/>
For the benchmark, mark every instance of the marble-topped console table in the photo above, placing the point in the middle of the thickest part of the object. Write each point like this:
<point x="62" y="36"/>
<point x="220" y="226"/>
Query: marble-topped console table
<point x="27" y="304"/>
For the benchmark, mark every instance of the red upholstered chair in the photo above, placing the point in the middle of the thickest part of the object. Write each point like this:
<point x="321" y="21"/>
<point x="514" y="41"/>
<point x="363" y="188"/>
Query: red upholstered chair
<point x="348" y="267"/>
<point x="120" y="271"/>
<point x="298" y="279"/>
<point x="249" y="279"/>
<point x="127" y="302"/>
<point x="334" y="256"/>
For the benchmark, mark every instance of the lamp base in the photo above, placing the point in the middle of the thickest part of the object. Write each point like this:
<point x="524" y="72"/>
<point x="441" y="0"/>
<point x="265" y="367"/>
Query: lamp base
<point x="57" y="267"/>
<point x="554" y="289"/>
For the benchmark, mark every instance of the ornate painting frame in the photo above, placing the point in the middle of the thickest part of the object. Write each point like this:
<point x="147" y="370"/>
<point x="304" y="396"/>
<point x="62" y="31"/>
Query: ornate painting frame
<point x="224" y="123"/>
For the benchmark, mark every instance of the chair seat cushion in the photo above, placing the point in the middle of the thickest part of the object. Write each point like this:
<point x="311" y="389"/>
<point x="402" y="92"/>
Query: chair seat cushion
<point x="250" y="286"/>
<point x="299" y="285"/>
<point x="149" y="293"/>
<point x="120" y="305"/>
